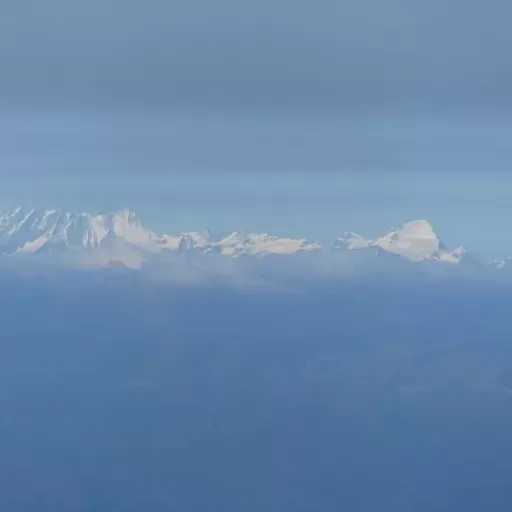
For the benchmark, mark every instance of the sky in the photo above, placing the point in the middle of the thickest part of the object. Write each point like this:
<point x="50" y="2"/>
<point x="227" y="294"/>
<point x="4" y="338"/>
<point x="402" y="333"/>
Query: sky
<point x="298" y="118"/>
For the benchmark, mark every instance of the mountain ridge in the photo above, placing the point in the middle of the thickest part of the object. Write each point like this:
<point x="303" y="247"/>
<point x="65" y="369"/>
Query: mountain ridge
<point x="120" y="236"/>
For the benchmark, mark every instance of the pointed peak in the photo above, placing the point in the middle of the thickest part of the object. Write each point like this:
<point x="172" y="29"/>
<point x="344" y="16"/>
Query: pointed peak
<point x="500" y="264"/>
<point x="16" y="210"/>
<point x="351" y="240"/>
<point x="123" y="219"/>
<point x="350" y="235"/>
<point x="415" y="240"/>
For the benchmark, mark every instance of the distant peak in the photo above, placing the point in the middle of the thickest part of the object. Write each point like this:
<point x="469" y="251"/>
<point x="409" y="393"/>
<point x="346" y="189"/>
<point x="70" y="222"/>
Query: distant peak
<point x="420" y="228"/>
<point x="17" y="209"/>
<point x="352" y="240"/>
<point x="415" y="240"/>
<point x="126" y="214"/>
<point x="121" y="234"/>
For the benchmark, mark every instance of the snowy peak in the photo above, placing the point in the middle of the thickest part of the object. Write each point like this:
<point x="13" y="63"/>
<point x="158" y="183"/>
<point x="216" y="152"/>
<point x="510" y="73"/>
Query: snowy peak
<point x="120" y="237"/>
<point x="352" y="241"/>
<point x="412" y="231"/>
<point x="254" y="244"/>
<point x="415" y="241"/>
<point x="505" y="263"/>
<point x="114" y="235"/>
<point x="30" y="231"/>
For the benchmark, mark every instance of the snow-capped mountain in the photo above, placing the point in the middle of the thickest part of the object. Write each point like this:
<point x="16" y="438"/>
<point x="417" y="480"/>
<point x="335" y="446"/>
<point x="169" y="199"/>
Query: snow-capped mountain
<point x="415" y="241"/>
<point x="35" y="231"/>
<point x="121" y="237"/>
<point x="261" y="244"/>
<point x="503" y="264"/>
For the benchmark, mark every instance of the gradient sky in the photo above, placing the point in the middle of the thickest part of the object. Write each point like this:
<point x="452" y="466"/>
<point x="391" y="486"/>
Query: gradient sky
<point x="302" y="118"/>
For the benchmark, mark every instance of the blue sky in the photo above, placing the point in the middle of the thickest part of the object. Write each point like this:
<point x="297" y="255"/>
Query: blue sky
<point x="268" y="116"/>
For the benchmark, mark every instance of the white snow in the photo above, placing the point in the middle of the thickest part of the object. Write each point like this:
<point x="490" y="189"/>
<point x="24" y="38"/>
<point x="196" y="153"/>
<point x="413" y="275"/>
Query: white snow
<point x="237" y="244"/>
<point x="415" y="241"/>
<point x="354" y="241"/>
<point x="28" y="231"/>
<point x="120" y="236"/>
<point x="35" y="245"/>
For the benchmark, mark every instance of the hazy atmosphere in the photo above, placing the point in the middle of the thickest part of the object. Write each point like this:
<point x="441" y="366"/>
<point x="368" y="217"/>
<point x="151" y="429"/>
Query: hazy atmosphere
<point x="361" y="396"/>
<point x="255" y="256"/>
<point x="289" y="117"/>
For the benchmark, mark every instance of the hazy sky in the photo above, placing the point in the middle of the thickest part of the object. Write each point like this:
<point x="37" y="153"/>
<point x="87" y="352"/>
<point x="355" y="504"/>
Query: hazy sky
<point x="270" y="52"/>
<point x="297" y="117"/>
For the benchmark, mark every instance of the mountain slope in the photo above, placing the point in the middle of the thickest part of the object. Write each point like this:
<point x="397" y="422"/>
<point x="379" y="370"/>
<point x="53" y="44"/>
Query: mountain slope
<point x="415" y="241"/>
<point x="121" y="237"/>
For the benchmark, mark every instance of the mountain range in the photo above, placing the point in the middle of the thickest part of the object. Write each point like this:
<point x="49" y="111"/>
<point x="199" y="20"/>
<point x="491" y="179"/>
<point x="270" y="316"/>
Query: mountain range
<point x="119" y="238"/>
